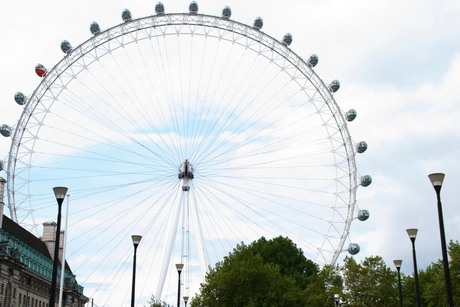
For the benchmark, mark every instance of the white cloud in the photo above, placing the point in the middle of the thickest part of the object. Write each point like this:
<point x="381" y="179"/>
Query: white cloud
<point x="399" y="66"/>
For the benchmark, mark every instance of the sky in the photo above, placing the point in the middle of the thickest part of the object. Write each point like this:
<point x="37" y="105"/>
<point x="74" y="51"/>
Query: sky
<point x="398" y="63"/>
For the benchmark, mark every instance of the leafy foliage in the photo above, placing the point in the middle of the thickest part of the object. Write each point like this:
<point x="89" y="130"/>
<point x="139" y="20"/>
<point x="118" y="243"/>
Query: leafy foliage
<point x="264" y="273"/>
<point x="454" y="254"/>
<point x="370" y="283"/>
<point x="153" y="302"/>
<point x="323" y="286"/>
<point x="276" y="273"/>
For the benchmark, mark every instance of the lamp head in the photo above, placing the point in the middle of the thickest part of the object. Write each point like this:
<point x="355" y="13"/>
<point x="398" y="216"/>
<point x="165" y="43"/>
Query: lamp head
<point x="412" y="232"/>
<point x="136" y="239"/>
<point x="60" y="192"/>
<point x="336" y="298"/>
<point x="397" y="263"/>
<point x="179" y="267"/>
<point x="436" y="179"/>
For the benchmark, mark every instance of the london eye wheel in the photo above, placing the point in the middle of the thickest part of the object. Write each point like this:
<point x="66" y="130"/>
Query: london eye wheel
<point x="195" y="131"/>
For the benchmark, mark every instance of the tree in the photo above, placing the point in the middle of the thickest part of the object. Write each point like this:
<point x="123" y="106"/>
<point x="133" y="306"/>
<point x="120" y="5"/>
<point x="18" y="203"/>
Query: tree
<point x="323" y="286"/>
<point x="265" y="273"/>
<point x="432" y="281"/>
<point x="370" y="283"/>
<point x="454" y="254"/>
<point x="153" y="302"/>
<point x="290" y="259"/>
<point x="432" y="285"/>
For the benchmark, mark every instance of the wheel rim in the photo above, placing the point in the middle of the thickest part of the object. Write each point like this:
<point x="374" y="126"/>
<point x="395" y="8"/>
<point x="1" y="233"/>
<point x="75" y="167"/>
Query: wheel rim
<point x="269" y="146"/>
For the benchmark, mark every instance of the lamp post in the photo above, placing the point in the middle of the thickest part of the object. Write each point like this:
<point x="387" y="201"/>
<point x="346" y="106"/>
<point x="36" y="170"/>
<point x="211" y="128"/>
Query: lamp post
<point x="398" y="268"/>
<point x="185" y="300"/>
<point x="60" y="193"/>
<point x="136" y="241"/>
<point x="336" y="299"/>
<point x="179" y="267"/>
<point x="437" y="179"/>
<point x="412" y="232"/>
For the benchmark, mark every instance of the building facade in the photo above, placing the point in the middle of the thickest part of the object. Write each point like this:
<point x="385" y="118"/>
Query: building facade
<point x="26" y="265"/>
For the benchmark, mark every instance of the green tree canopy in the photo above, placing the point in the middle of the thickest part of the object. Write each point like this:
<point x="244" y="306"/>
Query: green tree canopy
<point x="153" y="302"/>
<point x="369" y="283"/>
<point x="276" y="273"/>
<point x="265" y="273"/>
<point x="454" y="254"/>
<point x="432" y="279"/>
<point x="323" y="286"/>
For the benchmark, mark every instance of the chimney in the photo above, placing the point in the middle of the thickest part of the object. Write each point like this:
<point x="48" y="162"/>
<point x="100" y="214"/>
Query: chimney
<point x="49" y="237"/>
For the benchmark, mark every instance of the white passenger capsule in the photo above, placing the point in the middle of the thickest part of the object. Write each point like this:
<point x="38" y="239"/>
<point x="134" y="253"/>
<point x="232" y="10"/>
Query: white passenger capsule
<point x="258" y="23"/>
<point x="159" y="8"/>
<point x="20" y="98"/>
<point x="226" y="12"/>
<point x="353" y="248"/>
<point x="313" y="60"/>
<point x="334" y="86"/>
<point x="287" y="39"/>
<point x="94" y="28"/>
<point x="193" y="8"/>
<point x="126" y="15"/>
<point x="65" y="46"/>
<point x="5" y="130"/>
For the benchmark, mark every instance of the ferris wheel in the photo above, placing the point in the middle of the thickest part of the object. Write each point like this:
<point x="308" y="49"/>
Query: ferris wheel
<point x="197" y="132"/>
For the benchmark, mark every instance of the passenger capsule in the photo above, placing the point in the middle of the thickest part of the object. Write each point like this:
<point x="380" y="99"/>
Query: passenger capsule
<point x="193" y="7"/>
<point x="351" y="115"/>
<point x="20" y="98"/>
<point x="366" y="181"/>
<point x="5" y="130"/>
<point x="312" y="60"/>
<point x="363" y="215"/>
<point x="66" y="47"/>
<point x="94" y="28"/>
<point x="361" y="147"/>
<point x="159" y="8"/>
<point x="287" y="39"/>
<point x="258" y="23"/>
<point x="40" y="70"/>
<point x="226" y="12"/>
<point x="334" y="86"/>
<point x="126" y="15"/>
<point x="353" y="248"/>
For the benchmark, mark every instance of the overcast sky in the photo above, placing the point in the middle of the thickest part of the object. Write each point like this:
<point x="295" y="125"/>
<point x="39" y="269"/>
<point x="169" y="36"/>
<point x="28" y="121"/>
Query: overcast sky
<point x="398" y="63"/>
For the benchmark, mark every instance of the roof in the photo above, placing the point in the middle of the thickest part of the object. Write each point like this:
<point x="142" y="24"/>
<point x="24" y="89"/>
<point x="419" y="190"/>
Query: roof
<point x="25" y="236"/>
<point x="28" y="238"/>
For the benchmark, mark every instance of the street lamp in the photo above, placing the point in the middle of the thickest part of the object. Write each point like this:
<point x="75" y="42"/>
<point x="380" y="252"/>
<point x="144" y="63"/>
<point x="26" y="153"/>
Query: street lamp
<point x="412" y="232"/>
<point x="398" y="268"/>
<point x="185" y="300"/>
<point x="60" y="193"/>
<point x="179" y="267"/>
<point x="336" y="299"/>
<point x="136" y="241"/>
<point x="437" y="179"/>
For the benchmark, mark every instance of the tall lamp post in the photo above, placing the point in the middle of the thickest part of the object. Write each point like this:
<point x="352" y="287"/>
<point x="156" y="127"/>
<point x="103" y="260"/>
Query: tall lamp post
<point x="398" y="268"/>
<point x="60" y="193"/>
<point x="412" y="232"/>
<point x="136" y="241"/>
<point x="179" y="267"/>
<point x="437" y="179"/>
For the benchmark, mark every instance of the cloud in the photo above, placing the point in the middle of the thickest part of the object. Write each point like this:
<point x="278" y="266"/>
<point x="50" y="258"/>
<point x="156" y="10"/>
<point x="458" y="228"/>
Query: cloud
<point x="399" y="66"/>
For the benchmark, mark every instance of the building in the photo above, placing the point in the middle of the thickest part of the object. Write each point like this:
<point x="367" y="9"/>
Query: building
<point x="26" y="265"/>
